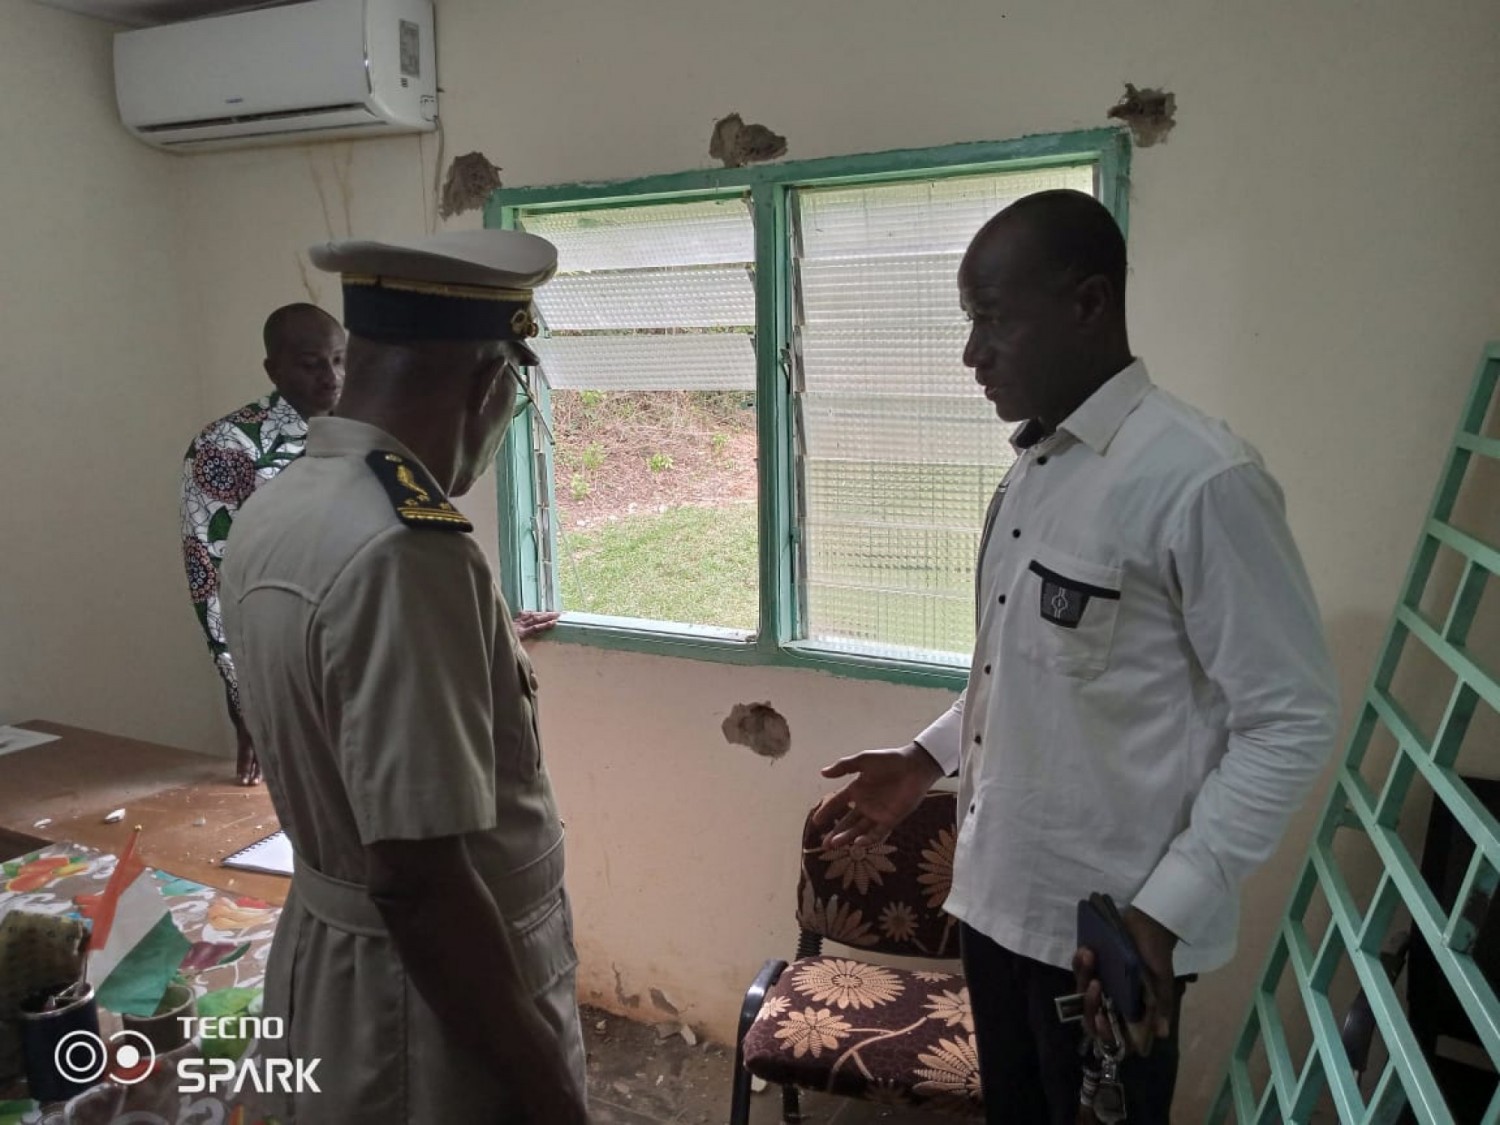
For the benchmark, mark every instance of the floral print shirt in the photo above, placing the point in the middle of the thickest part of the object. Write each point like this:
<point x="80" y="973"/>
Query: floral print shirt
<point x="226" y="463"/>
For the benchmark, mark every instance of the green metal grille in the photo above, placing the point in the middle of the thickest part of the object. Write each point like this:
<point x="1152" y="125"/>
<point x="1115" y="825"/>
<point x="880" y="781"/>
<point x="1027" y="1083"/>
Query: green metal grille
<point x="1293" y="1030"/>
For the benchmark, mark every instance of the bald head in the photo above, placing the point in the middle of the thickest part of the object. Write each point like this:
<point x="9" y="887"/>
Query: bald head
<point x="290" y="320"/>
<point x="1043" y="284"/>
<point x="1051" y="236"/>
<point x="305" y="357"/>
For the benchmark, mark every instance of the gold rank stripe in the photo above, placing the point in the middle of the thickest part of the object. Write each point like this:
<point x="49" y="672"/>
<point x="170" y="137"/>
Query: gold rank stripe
<point x="438" y="289"/>
<point x="427" y="514"/>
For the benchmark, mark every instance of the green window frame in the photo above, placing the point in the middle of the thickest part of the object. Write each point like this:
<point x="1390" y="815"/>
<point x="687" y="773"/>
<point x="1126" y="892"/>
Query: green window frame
<point x="523" y="469"/>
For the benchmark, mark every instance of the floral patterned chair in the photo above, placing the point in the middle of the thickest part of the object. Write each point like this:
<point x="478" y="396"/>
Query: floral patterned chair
<point x="840" y="1025"/>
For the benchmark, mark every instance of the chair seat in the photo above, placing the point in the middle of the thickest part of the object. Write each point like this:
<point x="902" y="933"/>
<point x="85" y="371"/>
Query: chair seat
<point x="866" y="1031"/>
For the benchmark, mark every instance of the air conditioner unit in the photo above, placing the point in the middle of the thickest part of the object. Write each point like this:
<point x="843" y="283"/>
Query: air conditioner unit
<point x="308" y="71"/>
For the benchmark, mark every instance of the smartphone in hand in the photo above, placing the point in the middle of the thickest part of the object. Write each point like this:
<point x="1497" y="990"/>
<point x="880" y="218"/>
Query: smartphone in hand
<point x="1117" y="963"/>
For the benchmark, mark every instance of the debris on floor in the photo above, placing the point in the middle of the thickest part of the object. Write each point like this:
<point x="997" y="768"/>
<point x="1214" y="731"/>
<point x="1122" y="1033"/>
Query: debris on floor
<point x="643" y="1074"/>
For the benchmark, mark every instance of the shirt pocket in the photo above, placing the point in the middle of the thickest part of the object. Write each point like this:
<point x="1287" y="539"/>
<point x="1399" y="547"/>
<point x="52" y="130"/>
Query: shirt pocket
<point x="518" y="743"/>
<point x="1068" y="607"/>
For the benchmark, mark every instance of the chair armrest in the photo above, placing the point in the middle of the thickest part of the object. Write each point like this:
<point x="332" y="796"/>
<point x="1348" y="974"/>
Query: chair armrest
<point x="755" y="995"/>
<point x="1358" y="1030"/>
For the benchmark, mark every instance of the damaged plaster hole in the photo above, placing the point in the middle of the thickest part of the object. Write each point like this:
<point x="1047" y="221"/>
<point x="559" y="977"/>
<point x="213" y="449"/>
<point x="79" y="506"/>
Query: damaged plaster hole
<point x="1149" y="113"/>
<point x="738" y="144"/>
<point x="471" y="180"/>
<point x="760" y="727"/>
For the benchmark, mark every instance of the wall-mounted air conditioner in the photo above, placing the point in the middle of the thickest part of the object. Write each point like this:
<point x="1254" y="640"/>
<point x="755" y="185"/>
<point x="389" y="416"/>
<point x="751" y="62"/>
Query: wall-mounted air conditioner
<point x="309" y="71"/>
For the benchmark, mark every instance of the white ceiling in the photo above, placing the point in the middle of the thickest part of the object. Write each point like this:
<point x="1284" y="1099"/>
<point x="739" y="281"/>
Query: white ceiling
<point x="140" y="13"/>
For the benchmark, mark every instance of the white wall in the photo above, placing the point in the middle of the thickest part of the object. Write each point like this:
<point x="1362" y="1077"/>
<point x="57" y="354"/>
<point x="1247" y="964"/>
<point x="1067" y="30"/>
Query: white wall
<point x="99" y="396"/>
<point x="1314" y="258"/>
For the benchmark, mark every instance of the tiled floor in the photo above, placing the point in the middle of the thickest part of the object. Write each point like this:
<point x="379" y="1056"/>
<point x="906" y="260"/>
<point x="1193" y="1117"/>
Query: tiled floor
<point x="640" y="1077"/>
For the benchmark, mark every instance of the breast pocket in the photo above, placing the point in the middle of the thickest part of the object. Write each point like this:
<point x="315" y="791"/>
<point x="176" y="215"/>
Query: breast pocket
<point x="518" y="752"/>
<point x="1069" y="607"/>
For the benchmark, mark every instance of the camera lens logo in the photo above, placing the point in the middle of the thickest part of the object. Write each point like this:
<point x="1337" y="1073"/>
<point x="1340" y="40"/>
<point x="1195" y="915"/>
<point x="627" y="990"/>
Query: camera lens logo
<point x="83" y="1057"/>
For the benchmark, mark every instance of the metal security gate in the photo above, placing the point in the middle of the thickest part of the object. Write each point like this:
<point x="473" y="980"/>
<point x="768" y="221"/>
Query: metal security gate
<point x="1372" y="888"/>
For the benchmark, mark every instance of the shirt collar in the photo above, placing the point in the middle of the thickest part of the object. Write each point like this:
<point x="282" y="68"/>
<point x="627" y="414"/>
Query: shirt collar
<point x="328" y="436"/>
<point x="1100" y="416"/>
<point x="274" y="403"/>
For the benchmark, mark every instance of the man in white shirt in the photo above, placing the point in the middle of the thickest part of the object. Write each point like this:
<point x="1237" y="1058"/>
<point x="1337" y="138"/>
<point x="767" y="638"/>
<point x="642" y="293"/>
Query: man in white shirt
<point x="1151" y="694"/>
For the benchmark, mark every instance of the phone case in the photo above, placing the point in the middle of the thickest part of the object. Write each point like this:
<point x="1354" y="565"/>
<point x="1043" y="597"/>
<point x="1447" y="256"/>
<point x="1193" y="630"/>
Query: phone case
<point x="1116" y="962"/>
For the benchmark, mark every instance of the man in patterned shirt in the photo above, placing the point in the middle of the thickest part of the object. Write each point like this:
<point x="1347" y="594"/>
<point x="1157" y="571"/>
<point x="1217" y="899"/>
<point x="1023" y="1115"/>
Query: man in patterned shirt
<point x="234" y="456"/>
<point x="240" y="452"/>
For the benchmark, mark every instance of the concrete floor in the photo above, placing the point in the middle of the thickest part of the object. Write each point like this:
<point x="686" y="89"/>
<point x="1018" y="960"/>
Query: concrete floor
<point x="640" y="1075"/>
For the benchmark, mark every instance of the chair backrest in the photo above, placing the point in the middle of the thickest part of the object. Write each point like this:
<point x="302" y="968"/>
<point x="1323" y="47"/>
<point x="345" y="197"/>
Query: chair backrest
<point x="888" y="897"/>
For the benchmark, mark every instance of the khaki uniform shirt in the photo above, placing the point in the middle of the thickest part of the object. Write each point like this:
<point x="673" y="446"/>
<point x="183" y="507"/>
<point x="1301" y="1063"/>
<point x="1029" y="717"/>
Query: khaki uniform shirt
<point x="389" y="699"/>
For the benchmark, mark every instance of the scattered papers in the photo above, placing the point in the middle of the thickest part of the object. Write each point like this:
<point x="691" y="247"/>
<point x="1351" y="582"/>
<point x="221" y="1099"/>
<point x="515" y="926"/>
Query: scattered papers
<point x="18" y="738"/>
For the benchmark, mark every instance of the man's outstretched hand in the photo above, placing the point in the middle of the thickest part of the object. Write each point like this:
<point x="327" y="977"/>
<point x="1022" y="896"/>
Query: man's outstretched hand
<point x="887" y="786"/>
<point x="530" y="622"/>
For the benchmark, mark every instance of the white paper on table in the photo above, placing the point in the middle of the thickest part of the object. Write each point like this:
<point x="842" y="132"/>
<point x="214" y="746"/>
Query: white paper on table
<point x="273" y="855"/>
<point x="19" y="738"/>
<point x="141" y="906"/>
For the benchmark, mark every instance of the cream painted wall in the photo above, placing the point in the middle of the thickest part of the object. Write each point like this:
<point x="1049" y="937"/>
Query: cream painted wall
<point x="100" y="398"/>
<point x="1313" y="255"/>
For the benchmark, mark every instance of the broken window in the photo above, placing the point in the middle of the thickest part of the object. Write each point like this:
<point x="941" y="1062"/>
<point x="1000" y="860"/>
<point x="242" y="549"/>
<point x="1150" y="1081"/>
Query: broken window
<point x="695" y="318"/>
<point x="649" y="355"/>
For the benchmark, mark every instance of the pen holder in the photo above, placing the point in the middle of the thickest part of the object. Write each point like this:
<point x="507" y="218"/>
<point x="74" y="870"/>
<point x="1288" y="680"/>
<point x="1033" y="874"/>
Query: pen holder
<point x="61" y="1049"/>
<point x="164" y="1030"/>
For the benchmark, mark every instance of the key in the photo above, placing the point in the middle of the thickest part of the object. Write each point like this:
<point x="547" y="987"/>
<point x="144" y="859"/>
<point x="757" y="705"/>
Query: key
<point x="1109" y="1101"/>
<point x="1088" y="1059"/>
<point x="1109" y="1094"/>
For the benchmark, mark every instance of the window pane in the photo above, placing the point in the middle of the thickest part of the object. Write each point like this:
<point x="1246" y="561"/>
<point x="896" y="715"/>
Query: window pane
<point x="654" y="235"/>
<point x="723" y="361"/>
<point x="704" y="297"/>
<point x="919" y="216"/>
<point x="901" y="452"/>
<point x="649" y="351"/>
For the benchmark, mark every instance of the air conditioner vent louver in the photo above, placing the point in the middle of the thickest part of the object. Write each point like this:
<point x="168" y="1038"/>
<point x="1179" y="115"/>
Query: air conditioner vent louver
<point x="252" y="118"/>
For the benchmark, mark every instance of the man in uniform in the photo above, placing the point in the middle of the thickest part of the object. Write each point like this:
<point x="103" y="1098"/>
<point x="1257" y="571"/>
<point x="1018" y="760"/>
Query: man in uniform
<point x="425" y="953"/>
<point x="234" y="456"/>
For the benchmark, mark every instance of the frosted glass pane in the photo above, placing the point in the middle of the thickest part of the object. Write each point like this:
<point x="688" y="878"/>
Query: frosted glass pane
<point x="907" y="289"/>
<point x="932" y="216"/>
<point x="885" y="359"/>
<point x="852" y="619"/>
<point x="712" y="361"/>
<point x="695" y="298"/>
<point x="933" y="429"/>
<point x="902" y="452"/>
<point x="668" y="234"/>
<point x="861" y="647"/>
<point x="893" y="494"/>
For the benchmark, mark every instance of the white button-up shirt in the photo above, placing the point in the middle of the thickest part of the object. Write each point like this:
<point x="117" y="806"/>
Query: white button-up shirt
<point x="1151" y="694"/>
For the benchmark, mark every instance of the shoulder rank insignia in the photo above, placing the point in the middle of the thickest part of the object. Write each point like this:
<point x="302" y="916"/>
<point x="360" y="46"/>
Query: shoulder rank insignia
<point x="415" y="496"/>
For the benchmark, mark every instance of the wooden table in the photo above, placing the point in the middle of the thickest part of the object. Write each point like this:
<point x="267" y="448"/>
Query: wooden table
<point x="75" y="781"/>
